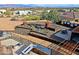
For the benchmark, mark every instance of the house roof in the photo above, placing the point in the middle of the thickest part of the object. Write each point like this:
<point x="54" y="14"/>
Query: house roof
<point x="71" y="15"/>
<point x="9" y="25"/>
<point x="76" y="30"/>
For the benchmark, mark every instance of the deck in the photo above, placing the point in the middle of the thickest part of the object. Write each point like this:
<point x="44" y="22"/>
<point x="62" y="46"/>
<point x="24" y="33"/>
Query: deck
<point x="44" y="43"/>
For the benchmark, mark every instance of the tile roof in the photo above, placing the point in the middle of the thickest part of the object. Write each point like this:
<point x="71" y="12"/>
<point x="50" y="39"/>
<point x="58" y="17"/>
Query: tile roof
<point x="70" y="14"/>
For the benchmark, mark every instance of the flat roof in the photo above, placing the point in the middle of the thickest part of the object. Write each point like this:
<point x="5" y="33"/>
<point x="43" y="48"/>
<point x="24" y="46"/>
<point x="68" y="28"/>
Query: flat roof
<point x="9" y="25"/>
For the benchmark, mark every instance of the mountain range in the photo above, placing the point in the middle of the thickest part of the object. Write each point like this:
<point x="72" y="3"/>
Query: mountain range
<point x="39" y="5"/>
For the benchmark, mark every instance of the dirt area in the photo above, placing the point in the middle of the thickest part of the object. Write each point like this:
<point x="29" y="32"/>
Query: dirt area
<point x="5" y="19"/>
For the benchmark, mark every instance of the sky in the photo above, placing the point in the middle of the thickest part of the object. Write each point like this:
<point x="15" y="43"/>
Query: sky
<point x="39" y="2"/>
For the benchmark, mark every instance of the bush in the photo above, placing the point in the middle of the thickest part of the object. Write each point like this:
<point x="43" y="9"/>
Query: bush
<point x="30" y="17"/>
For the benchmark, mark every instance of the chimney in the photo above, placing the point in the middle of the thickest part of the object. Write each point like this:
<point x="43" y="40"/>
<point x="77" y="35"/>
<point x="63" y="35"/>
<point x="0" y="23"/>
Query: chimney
<point x="48" y="24"/>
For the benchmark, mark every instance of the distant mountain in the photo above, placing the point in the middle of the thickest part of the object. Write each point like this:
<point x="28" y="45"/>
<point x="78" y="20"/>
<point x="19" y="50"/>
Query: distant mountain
<point x="39" y="5"/>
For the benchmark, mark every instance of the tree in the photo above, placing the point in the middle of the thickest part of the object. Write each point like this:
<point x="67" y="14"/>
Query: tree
<point x="74" y="10"/>
<point x="44" y="15"/>
<point x="8" y="13"/>
<point x="18" y="12"/>
<point x="52" y="15"/>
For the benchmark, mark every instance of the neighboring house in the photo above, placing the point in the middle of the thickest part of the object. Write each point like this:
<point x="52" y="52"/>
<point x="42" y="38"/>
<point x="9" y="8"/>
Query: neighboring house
<point x="70" y="18"/>
<point x="67" y="15"/>
<point x="2" y="11"/>
<point x="70" y="15"/>
<point x="22" y="12"/>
